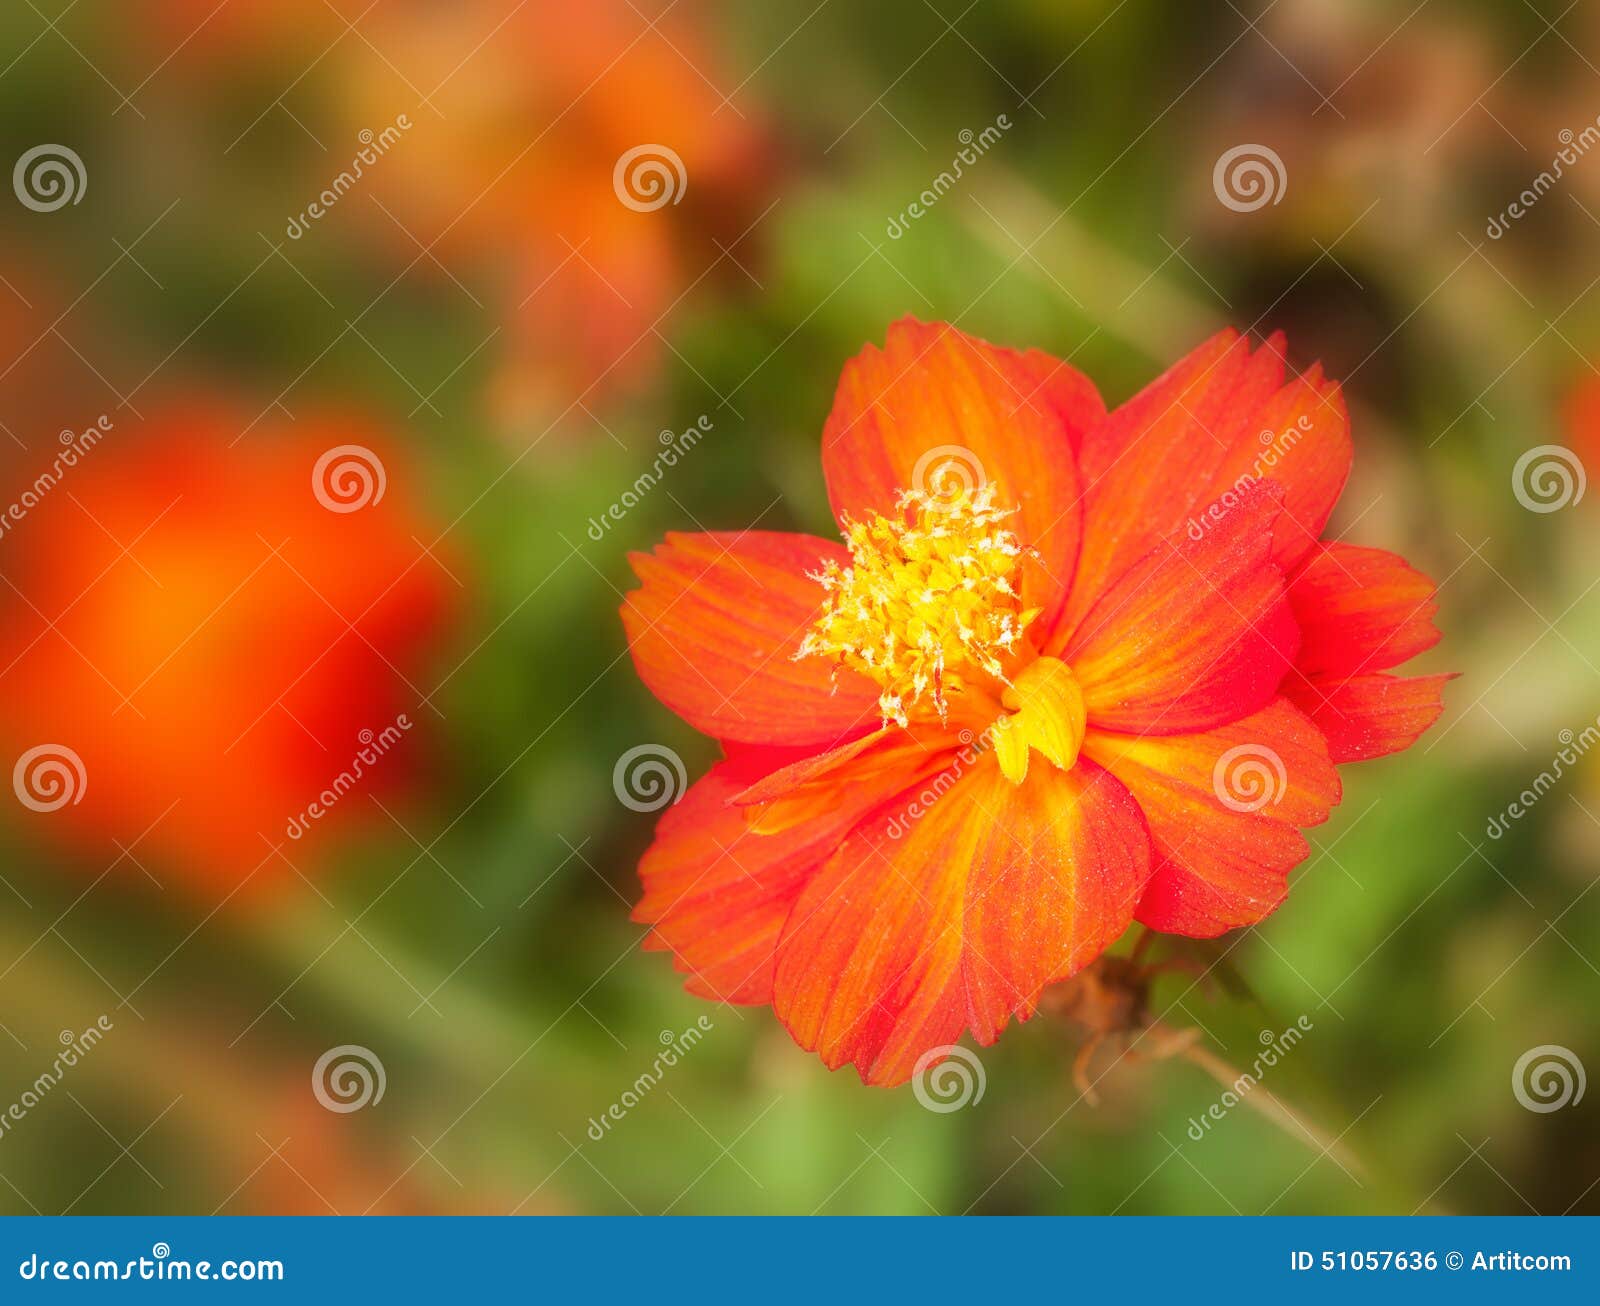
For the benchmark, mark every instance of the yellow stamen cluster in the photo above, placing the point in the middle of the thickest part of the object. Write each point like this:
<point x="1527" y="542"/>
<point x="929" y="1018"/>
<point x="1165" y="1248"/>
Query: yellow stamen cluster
<point x="929" y="601"/>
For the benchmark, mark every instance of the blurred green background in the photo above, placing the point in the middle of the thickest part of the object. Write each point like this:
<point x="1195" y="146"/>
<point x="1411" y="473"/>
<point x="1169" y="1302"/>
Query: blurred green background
<point x="522" y="339"/>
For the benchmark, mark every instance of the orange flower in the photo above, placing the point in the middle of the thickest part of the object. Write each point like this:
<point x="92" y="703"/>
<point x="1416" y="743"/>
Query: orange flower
<point x="1580" y="419"/>
<point x="581" y="160"/>
<point x="1068" y="670"/>
<point x="574" y="165"/>
<point x="202" y="649"/>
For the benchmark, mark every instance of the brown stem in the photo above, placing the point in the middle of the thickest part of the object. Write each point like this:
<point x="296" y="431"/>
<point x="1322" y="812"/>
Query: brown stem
<point x="1266" y="1103"/>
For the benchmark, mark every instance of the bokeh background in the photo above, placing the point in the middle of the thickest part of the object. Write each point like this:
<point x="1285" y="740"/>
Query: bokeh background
<point x="217" y="619"/>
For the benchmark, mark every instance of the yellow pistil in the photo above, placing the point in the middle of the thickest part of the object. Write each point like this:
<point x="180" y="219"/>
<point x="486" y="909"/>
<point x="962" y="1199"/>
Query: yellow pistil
<point x="1048" y="714"/>
<point x="929" y="604"/>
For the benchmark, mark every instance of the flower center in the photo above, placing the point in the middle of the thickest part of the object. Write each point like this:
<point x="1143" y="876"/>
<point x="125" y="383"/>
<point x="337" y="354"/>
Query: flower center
<point x="929" y="603"/>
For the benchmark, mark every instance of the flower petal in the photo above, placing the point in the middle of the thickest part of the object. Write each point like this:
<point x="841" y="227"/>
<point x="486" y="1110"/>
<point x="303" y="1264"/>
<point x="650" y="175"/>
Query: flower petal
<point x="714" y="628"/>
<point x="1369" y="716"/>
<point x="937" y="405"/>
<point x="1182" y="449"/>
<point x="923" y="925"/>
<point x="1196" y="634"/>
<point x="886" y="761"/>
<point x="1068" y="858"/>
<point x="718" y="893"/>
<point x="1066" y="391"/>
<point x="1360" y="610"/>
<point x="1223" y="808"/>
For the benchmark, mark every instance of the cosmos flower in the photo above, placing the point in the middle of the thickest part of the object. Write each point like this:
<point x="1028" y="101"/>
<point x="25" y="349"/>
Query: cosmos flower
<point x="210" y="642"/>
<point x="579" y="168"/>
<point x="1068" y="669"/>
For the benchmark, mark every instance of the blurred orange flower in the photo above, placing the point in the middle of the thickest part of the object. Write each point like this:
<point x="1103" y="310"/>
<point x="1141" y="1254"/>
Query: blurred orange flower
<point x="1580" y="419"/>
<point x="210" y="638"/>
<point x="580" y="161"/>
<point x="587" y="152"/>
<point x="322" y="1163"/>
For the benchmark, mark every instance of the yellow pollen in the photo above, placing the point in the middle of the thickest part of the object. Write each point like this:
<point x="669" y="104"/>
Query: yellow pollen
<point x="929" y="602"/>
